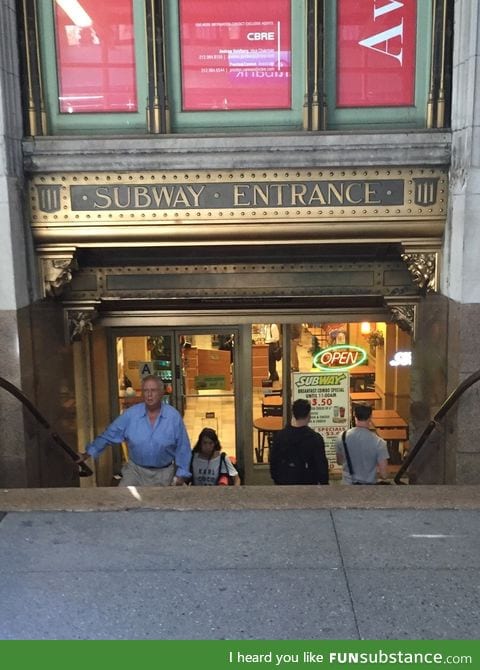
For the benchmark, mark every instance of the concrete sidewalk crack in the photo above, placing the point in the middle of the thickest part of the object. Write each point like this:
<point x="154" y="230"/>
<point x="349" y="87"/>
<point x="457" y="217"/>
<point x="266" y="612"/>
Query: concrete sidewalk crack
<point x="345" y="575"/>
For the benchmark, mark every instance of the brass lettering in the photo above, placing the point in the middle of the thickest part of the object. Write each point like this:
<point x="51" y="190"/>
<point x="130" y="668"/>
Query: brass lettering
<point x="260" y="194"/>
<point x="142" y="200"/>
<point x="102" y="193"/>
<point x="162" y="193"/>
<point x="181" y="198"/>
<point x="298" y="193"/>
<point x="195" y="194"/>
<point x="317" y="196"/>
<point x="279" y="197"/>
<point x="239" y="192"/>
<point x="333" y="191"/>
<point x="116" y="197"/>
<point x="349" y="195"/>
<point x="370" y="192"/>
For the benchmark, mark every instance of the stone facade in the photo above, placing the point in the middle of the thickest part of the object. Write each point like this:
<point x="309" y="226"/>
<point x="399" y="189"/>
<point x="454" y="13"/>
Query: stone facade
<point x="37" y="357"/>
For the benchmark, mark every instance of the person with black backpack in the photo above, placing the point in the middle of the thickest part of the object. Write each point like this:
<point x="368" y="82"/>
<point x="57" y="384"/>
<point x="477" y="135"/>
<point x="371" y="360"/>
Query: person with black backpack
<point x="209" y="465"/>
<point x="298" y="455"/>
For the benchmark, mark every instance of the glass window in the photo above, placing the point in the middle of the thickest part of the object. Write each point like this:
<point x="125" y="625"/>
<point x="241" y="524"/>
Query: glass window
<point x="95" y="56"/>
<point x="235" y="55"/>
<point x="375" y="54"/>
<point x="236" y="65"/>
<point x="377" y="61"/>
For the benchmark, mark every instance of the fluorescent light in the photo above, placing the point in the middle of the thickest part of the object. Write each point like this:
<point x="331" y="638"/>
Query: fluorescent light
<point x="75" y="12"/>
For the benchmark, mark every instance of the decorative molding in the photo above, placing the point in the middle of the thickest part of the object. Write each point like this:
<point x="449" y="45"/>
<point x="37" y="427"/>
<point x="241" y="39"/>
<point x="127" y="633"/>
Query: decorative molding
<point x="403" y="315"/>
<point x="56" y="270"/>
<point x="423" y="269"/>
<point x="79" y="323"/>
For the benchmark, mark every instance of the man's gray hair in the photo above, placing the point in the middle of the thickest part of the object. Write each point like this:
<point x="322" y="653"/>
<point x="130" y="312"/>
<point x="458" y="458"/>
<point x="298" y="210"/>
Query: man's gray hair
<point x="154" y="378"/>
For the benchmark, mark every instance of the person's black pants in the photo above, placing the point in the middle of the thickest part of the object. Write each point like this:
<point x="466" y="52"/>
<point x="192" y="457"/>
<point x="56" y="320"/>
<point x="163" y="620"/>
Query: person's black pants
<point x="272" y="363"/>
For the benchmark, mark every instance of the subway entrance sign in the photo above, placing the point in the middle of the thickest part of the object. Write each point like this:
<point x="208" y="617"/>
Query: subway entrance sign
<point x="340" y="357"/>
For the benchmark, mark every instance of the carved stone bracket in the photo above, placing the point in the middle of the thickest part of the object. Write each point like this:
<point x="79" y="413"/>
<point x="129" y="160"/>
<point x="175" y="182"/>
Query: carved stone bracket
<point x="56" y="269"/>
<point x="423" y="268"/>
<point x="403" y="315"/>
<point x="79" y="322"/>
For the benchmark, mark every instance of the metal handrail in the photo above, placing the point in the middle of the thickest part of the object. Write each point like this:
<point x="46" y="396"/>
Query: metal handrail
<point x="84" y="470"/>
<point x="446" y="405"/>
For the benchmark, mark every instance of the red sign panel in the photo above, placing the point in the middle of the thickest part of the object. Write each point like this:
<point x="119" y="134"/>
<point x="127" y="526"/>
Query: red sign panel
<point x="235" y="55"/>
<point x="95" y="56"/>
<point x="376" y="53"/>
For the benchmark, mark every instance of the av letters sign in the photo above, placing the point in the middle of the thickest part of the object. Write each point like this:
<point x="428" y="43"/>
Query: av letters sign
<point x="376" y="53"/>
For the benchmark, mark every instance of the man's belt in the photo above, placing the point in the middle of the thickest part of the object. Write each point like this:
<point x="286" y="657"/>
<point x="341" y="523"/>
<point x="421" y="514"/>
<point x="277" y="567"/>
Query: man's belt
<point x="155" y="467"/>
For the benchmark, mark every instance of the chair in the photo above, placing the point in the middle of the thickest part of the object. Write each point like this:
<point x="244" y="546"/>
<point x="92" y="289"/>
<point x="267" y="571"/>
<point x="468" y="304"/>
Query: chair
<point x="265" y="435"/>
<point x="272" y="410"/>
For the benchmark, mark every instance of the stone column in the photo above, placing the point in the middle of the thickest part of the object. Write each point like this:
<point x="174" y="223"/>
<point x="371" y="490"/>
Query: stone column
<point x="460" y="275"/>
<point x="17" y="469"/>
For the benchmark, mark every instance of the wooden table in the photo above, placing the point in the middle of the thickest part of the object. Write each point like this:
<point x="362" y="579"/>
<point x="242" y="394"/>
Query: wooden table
<point x="385" y="413"/>
<point x="389" y="422"/>
<point x="272" y="401"/>
<point x="365" y="396"/>
<point x="266" y="426"/>
<point x="362" y="370"/>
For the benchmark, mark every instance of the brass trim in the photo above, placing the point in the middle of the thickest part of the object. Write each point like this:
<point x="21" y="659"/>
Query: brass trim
<point x="166" y="105"/>
<point x="36" y="114"/>
<point x="431" y="92"/>
<point x="441" y="87"/>
<point x="423" y="267"/>
<point x="174" y="214"/>
<point x="79" y="322"/>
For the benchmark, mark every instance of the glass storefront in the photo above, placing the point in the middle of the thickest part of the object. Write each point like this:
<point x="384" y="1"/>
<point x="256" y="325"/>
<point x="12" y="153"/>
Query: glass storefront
<point x="332" y="364"/>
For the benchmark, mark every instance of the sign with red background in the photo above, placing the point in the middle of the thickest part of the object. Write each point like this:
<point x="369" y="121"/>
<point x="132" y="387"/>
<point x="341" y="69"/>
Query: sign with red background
<point x="95" y="56"/>
<point x="376" y="53"/>
<point x="235" y="55"/>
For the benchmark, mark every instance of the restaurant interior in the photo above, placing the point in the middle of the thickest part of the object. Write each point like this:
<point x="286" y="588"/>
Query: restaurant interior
<point x="378" y="374"/>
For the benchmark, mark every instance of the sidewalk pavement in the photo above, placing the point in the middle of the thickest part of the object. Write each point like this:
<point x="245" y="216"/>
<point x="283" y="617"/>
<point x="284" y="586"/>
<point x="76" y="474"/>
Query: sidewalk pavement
<point x="398" y="562"/>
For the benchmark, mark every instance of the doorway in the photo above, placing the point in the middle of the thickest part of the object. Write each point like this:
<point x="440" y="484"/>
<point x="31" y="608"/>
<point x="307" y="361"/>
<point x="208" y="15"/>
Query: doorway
<point x="218" y="375"/>
<point x="197" y="366"/>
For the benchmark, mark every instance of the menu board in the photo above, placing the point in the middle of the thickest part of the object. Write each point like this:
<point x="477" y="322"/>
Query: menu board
<point x="235" y="55"/>
<point x="328" y="394"/>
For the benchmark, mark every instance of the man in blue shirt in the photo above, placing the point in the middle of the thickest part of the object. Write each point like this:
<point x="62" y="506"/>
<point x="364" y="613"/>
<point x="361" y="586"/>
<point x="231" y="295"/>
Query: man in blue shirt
<point x="158" y="444"/>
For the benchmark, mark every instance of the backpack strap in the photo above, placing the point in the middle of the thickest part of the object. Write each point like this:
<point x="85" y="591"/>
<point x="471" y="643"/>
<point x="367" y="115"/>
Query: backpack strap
<point x="347" y="455"/>
<point x="222" y="468"/>
<point x="191" y="468"/>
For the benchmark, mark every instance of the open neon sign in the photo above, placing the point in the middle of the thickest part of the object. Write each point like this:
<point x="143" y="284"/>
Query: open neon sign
<point x="340" y="357"/>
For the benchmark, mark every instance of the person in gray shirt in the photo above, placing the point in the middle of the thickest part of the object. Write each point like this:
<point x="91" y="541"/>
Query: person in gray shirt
<point x="367" y="451"/>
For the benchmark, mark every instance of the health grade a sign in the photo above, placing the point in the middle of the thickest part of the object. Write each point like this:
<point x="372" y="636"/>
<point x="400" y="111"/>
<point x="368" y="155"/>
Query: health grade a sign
<point x="328" y="394"/>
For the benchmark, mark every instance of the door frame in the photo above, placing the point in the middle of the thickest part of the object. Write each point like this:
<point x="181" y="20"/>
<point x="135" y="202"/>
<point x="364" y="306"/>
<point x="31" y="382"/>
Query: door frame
<point x="135" y="321"/>
<point x="240" y="382"/>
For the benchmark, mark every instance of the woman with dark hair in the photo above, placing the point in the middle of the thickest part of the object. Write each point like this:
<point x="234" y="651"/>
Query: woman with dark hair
<point x="211" y="466"/>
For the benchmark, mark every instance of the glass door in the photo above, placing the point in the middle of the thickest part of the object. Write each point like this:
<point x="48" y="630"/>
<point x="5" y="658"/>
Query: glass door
<point x="207" y="383"/>
<point x="198" y="368"/>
